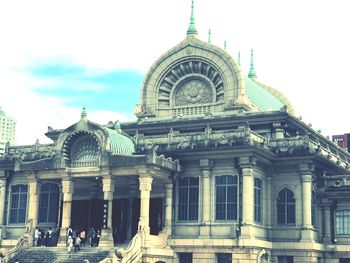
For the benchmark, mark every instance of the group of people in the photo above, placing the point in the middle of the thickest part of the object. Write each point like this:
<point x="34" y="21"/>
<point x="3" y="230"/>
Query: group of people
<point x="76" y="238"/>
<point x="42" y="238"/>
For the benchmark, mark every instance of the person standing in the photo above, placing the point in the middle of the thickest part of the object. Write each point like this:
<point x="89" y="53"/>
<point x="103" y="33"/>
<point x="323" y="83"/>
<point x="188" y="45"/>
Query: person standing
<point x="83" y="237"/>
<point x="36" y="236"/>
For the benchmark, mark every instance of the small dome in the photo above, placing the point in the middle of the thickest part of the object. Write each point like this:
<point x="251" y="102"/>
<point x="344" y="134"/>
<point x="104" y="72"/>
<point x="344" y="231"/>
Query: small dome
<point x="260" y="97"/>
<point x="120" y="143"/>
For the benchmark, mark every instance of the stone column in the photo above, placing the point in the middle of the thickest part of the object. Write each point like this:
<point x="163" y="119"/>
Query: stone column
<point x="168" y="206"/>
<point x="268" y="210"/>
<point x="106" y="239"/>
<point x="2" y="199"/>
<point x="145" y="180"/>
<point x="206" y="166"/>
<point x="327" y="235"/>
<point x="33" y="208"/>
<point x="306" y="184"/>
<point x="278" y="130"/>
<point x="247" y="164"/>
<point x="67" y="190"/>
<point x="133" y="193"/>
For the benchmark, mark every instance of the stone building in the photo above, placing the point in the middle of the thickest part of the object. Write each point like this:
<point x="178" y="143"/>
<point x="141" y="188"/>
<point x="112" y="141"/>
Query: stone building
<point x="217" y="168"/>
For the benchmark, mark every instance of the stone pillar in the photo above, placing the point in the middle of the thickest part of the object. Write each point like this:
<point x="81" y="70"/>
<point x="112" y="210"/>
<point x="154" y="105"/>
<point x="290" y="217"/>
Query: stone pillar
<point x="67" y="190"/>
<point x="206" y="166"/>
<point x="306" y="184"/>
<point x="247" y="164"/>
<point x="168" y="206"/>
<point x="106" y="239"/>
<point x="2" y="199"/>
<point x="133" y="193"/>
<point x="33" y="208"/>
<point x="145" y="180"/>
<point x="327" y="235"/>
<point x="278" y="130"/>
<point x="268" y="210"/>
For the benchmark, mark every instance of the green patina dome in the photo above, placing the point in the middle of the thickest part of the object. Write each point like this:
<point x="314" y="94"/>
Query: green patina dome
<point x="260" y="97"/>
<point x="120" y="143"/>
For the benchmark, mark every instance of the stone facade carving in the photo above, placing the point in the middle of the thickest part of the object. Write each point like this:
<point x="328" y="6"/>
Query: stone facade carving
<point x="193" y="91"/>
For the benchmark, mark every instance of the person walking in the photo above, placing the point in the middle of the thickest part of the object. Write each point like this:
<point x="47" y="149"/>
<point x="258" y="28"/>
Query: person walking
<point x="69" y="243"/>
<point x="77" y="244"/>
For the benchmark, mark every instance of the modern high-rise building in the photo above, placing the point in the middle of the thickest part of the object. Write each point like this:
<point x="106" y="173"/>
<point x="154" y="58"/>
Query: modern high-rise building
<point x="216" y="169"/>
<point x="7" y="131"/>
<point x="342" y="141"/>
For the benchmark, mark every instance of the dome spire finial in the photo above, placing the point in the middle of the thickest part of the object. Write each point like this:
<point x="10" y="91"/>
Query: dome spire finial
<point x="225" y="44"/>
<point x="251" y="73"/>
<point x="239" y="58"/>
<point x="83" y="114"/>
<point x="192" y="27"/>
<point x="209" y="36"/>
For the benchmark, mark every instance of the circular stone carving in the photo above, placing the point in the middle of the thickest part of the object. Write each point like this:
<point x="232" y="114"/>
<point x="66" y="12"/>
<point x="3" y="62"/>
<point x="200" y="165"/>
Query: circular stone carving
<point x="193" y="91"/>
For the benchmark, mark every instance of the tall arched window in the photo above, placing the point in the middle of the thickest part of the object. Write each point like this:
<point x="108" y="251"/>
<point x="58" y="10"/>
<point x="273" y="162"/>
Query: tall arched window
<point x="48" y="207"/>
<point x="285" y="207"/>
<point x="226" y="197"/>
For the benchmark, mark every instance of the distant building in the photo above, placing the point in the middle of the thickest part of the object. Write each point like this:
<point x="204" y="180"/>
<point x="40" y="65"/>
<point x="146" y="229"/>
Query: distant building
<point x="342" y="140"/>
<point x="7" y="130"/>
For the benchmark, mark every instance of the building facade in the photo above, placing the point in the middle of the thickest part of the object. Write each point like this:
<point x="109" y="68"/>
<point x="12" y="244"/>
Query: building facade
<point x="217" y="168"/>
<point x="7" y="131"/>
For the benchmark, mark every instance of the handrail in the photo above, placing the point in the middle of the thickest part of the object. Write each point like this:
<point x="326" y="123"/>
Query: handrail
<point x="22" y="242"/>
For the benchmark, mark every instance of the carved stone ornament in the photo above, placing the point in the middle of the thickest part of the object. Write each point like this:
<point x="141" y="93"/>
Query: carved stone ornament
<point x="193" y="91"/>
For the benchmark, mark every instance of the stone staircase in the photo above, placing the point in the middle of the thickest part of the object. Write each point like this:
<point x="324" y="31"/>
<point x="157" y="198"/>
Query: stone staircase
<point x="60" y="255"/>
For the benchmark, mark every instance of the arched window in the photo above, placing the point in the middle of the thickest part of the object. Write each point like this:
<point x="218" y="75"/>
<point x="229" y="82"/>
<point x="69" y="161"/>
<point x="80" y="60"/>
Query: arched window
<point x="257" y="200"/>
<point x="226" y="197"/>
<point x="48" y="207"/>
<point x="85" y="152"/>
<point x="285" y="207"/>
<point x="18" y="203"/>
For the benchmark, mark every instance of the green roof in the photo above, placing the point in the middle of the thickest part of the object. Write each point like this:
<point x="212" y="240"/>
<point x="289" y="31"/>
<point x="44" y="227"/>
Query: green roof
<point x="120" y="144"/>
<point x="261" y="97"/>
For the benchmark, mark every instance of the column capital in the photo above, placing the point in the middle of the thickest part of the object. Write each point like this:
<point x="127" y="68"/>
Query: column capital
<point x="247" y="161"/>
<point x="108" y="184"/>
<point x="67" y="185"/>
<point x="306" y="168"/>
<point x="306" y="178"/>
<point x="206" y="164"/>
<point x="32" y="175"/>
<point x="145" y="183"/>
<point x="2" y="182"/>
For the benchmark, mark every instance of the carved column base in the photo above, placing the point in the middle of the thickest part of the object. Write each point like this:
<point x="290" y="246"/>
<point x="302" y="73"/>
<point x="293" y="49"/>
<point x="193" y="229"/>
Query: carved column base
<point x="204" y="231"/>
<point x="307" y="235"/>
<point x="62" y="240"/>
<point x="106" y="239"/>
<point x="246" y="231"/>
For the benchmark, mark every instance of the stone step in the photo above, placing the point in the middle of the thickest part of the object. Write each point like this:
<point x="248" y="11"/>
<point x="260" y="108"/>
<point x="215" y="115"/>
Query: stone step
<point x="60" y="255"/>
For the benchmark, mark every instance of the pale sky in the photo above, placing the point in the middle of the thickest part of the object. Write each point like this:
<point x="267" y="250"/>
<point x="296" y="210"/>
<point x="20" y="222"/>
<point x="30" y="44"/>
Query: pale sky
<point x="58" y="56"/>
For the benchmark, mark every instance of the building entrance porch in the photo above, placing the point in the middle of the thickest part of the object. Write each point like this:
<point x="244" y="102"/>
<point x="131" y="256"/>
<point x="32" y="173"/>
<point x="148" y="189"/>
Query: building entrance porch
<point x="87" y="214"/>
